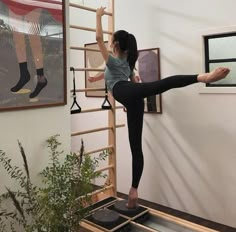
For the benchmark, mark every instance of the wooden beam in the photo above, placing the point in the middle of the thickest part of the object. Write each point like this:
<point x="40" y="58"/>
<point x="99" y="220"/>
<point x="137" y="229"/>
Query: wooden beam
<point x="112" y="177"/>
<point x="119" y="107"/>
<point x="88" y="29"/>
<point x="92" y="110"/>
<point x="88" y="90"/>
<point x="87" y="8"/>
<point x="98" y="191"/>
<point x="120" y="125"/>
<point x="91" y="131"/>
<point x="86" y="49"/>
<point x="105" y="168"/>
<point x="98" y="110"/>
<point x="90" y="69"/>
<point x="97" y="130"/>
<point x="180" y="221"/>
<point x="99" y="150"/>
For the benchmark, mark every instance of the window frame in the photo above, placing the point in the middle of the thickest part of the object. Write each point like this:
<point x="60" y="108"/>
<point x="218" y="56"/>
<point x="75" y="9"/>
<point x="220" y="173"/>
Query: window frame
<point x="209" y="61"/>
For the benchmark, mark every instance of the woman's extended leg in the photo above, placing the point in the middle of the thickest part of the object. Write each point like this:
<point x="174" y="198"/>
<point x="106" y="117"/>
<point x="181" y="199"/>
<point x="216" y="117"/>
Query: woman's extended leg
<point x="133" y="91"/>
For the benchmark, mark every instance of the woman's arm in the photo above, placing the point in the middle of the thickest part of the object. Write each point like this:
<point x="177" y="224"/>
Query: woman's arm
<point x="134" y="78"/>
<point x="99" y="33"/>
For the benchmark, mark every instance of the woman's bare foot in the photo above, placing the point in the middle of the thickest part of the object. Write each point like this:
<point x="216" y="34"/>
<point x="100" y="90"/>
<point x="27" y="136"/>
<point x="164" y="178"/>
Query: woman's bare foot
<point x="215" y="75"/>
<point x="133" y="198"/>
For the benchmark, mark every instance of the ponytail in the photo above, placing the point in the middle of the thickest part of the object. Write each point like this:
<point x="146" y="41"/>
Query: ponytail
<point x="127" y="43"/>
<point x="132" y="51"/>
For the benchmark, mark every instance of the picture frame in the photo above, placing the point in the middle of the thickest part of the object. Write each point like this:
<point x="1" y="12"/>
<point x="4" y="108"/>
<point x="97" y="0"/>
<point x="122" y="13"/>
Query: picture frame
<point x="148" y="70"/>
<point x="33" y="54"/>
<point x="94" y="79"/>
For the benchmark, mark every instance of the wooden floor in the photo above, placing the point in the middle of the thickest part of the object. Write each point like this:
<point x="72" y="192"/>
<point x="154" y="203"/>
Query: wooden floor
<point x="194" y="219"/>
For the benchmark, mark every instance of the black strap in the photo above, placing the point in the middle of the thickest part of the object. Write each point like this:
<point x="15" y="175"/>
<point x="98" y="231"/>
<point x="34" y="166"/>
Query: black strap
<point x="106" y="105"/>
<point x="78" y="110"/>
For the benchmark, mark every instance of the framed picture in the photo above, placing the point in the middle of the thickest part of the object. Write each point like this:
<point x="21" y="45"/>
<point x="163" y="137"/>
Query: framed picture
<point x="148" y="70"/>
<point x="94" y="79"/>
<point x="33" y="54"/>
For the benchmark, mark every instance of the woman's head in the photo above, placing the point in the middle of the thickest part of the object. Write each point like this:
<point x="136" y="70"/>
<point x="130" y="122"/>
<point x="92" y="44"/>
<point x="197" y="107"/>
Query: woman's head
<point x="126" y="43"/>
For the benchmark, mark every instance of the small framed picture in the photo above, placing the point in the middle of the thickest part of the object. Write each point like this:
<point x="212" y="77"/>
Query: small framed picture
<point x="148" y="70"/>
<point x="94" y="79"/>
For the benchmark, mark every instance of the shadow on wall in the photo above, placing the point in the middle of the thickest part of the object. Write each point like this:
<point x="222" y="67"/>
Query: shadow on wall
<point x="167" y="179"/>
<point x="164" y="149"/>
<point x="189" y="17"/>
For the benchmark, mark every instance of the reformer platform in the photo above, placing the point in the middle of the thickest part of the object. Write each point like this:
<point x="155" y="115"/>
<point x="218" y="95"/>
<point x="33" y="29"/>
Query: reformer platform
<point x="112" y="215"/>
<point x="105" y="219"/>
<point x="120" y="207"/>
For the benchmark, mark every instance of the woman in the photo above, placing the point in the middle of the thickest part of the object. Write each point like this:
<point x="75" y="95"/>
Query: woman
<point x="119" y="68"/>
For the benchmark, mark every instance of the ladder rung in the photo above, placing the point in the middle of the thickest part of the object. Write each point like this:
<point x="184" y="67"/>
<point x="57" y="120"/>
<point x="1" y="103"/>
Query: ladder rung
<point x="88" y="8"/>
<point x="98" y="109"/>
<point x="89" y="29"/>
<point x="97" y="191"/>
<point x="120" y="125"/>
<point x="91" y="131"/>
<point x="88" y="90"/>
<point x="96" y="130"/>
<point x="119" y="107"/>
<point x="105" y="168"/>
<point x="90" y="69"/>
<point x="103" y="189"/>
<point x="92" y="110"/>
<point x="98" y="150"/>
<point x="85" y="49"/>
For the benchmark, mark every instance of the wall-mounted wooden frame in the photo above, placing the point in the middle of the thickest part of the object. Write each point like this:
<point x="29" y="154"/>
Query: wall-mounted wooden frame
<point x="94" y="79"/>
<point x="33" y="47"/>
<point x="148" y="70"/>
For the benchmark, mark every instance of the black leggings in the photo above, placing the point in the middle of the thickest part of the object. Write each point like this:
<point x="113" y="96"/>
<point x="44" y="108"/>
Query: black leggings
<point x="132" y="95"/>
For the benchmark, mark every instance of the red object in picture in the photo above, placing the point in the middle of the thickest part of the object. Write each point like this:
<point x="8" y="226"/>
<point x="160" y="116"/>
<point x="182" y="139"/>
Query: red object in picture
<point x="23" y="7"/>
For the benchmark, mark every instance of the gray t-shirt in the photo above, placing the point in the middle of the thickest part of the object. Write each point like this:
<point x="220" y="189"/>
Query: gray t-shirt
<point x="117" y="69"/>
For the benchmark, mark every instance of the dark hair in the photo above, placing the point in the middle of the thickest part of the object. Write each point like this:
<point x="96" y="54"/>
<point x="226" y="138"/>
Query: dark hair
<point x="127" y="42"/>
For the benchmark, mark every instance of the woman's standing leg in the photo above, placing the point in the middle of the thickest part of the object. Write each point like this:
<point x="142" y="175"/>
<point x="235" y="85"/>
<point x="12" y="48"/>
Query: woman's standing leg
<point x="135" y="110"/>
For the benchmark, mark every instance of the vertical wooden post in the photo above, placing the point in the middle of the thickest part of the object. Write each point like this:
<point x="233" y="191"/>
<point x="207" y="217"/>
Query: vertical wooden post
<point x="112" y="112"/>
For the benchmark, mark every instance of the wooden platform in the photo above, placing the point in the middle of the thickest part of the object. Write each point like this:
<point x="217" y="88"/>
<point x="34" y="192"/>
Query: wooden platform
<point x="133" y="220"/>
<point x="128" y="213"/>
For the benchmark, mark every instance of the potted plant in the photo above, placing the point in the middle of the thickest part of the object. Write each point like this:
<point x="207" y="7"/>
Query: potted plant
<point x="50" y="207"/>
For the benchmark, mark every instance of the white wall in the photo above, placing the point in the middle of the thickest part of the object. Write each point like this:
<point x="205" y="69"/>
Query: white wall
<point x="189" y="149"/>
<point x="32" y="128"/>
